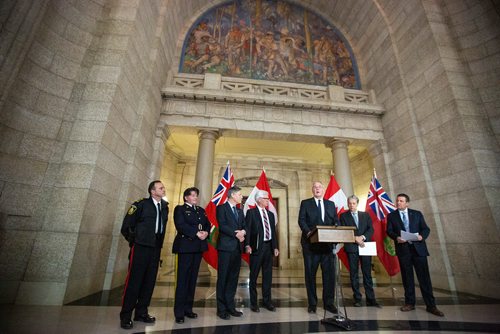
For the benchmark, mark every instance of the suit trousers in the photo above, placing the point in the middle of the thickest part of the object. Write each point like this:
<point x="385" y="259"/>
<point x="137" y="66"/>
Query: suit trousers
<point x="228" y="271"/>
<point x="366" y="267"/>
<point x="140" y="281"/>
<point x="262" y="259"/>
<point x="188" y="266"/>
<point x="409" y="261"/>
<point x="311" y="263"/>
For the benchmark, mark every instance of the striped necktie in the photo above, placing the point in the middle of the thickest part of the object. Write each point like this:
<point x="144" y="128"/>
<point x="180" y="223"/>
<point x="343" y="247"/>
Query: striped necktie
<point x="267" y="229"/>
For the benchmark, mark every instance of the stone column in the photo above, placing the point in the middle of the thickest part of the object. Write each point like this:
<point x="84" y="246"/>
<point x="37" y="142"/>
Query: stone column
<point x="341" y="166"/>
<point x="203" y="179"/>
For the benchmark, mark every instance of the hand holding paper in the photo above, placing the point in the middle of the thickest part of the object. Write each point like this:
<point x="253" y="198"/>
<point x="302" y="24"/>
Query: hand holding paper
<point x="409" y="236"/>
<point x="369" y="249"/>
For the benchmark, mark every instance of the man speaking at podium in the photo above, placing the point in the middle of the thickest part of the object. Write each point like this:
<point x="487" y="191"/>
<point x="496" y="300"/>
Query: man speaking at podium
<point x="313" y="212"/>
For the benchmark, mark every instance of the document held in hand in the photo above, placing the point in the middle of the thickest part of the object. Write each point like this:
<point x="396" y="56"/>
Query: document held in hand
<point x="370" y="249"/>
<point x="409" y="236"/>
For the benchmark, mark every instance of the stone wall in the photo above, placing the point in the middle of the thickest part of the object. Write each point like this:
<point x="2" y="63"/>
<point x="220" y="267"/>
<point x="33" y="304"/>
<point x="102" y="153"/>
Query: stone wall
<point x="80" y="136"/>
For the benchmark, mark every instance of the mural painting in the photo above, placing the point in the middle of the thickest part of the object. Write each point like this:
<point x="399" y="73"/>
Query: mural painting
<point x="269" y="40"/>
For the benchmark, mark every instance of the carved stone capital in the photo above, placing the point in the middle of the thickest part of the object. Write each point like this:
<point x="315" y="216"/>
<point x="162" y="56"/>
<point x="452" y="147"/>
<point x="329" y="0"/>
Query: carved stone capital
<point x="163" y="132"/>
<point x="336" y="143"/>
<point x="209" y="133"/>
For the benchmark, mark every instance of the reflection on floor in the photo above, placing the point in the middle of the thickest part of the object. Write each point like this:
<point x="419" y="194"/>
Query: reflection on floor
<point x="99" y="313"/>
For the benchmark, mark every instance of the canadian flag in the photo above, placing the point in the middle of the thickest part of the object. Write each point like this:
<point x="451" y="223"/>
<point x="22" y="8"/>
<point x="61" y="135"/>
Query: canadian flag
<point x="261" y="184"/>
<point x="335" y="194"/>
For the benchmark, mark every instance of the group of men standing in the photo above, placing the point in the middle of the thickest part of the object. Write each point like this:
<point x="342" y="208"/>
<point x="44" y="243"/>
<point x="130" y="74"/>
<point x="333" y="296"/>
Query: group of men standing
<point x="255" y="234"/>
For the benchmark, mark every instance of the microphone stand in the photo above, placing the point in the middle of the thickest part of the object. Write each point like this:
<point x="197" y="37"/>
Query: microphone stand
<point x="340" y="318"/>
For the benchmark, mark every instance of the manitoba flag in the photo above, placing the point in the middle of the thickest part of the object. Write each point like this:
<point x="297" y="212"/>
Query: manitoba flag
<point x="261" y="184"/>
<point x="219" y="198"/>
<point x="379" y="205"/>
<point x="335" y="194"/>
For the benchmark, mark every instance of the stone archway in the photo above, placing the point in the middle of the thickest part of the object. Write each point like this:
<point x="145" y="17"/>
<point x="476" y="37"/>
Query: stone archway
<point x="80" y="118"/>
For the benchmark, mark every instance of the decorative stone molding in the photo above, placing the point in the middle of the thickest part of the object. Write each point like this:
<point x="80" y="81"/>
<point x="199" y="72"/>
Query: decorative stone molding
<point x="251" y="180"/>
<point x="270" y="93"/>
<point x="163" y="132"/>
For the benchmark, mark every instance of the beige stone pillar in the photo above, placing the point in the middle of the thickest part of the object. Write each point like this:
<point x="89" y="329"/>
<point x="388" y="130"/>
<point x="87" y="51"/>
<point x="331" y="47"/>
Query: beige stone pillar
<point x="341" y="165"/>
<point x="203" y="179"/>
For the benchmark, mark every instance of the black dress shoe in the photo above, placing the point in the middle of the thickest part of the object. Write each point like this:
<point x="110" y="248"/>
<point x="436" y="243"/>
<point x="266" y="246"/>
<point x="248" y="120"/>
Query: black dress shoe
<point x="191" y="315"/>
<point x="311" y="309"/>
<point x="373" y="303"/>
<point x="331" y="308"/>
<point x="407" y="308"/>
<point x="434" y="310"/>
<point x="179" y="320"/>
<point x="126" y="324"/>
<point x="145" y="318"/>
<point x="224" y="316"/>
<point x="270" y="307"/>
<point x="255" y="308"/>
<point x="235" y="313"/>
<point x="357" y="303"/>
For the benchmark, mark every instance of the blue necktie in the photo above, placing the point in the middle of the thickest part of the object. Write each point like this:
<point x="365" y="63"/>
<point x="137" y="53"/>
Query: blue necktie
<point x="235" y="212"/>
<point x="405" y="221"/>
<point x="355" y="216"/>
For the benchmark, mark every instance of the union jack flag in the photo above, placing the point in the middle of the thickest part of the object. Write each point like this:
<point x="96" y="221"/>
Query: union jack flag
<point x="219" y="198"/>
<point x="378" y="206"/>
<point x="378" y="200"/>
<point x="226" y="182"/>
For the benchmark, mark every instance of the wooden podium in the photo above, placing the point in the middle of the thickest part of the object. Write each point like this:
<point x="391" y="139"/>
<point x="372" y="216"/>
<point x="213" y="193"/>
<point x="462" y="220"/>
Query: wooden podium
<point x="335" y="235"/>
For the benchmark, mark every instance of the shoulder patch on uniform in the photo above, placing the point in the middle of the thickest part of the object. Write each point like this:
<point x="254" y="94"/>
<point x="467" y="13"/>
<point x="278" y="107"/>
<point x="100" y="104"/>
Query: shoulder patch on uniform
<point x="132" y="209"/>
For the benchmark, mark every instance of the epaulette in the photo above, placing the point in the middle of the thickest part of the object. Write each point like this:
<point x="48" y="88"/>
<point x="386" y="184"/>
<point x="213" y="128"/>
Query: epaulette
<point x="140" y="200"/>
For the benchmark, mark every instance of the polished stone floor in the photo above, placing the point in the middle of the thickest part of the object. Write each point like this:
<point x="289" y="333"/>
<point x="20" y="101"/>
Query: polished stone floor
<point x="99" y="313"/>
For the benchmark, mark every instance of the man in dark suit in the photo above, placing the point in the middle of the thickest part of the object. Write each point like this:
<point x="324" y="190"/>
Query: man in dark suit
<point x="229" y="246"/>
<point x="262" y="244"/>
<point x="412" y="254"/>
<point x="363" y="232"/>
<point x="144" y="228"/>
<point x="313" y="212"/>
<point x="192" y="227"/>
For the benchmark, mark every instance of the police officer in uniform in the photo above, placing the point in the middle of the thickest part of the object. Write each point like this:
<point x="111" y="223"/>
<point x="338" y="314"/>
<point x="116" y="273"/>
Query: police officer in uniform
<point x="144" y="228"/>
<point x="192" y="227"/>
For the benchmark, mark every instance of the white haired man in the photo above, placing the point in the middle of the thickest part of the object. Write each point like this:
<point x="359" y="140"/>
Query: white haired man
<point x="261" y="243"/>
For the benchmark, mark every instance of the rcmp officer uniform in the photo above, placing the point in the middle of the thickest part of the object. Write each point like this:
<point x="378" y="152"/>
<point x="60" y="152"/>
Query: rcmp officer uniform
<point x="189" y="219"/>
<point x="144" y="228"/>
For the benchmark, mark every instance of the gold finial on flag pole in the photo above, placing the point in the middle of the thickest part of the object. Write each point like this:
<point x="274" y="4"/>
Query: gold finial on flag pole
<point x="374" y="173"/>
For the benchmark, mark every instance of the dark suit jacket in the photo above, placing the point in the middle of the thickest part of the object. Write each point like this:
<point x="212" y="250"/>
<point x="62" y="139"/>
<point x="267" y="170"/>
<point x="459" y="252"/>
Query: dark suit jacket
<point x="255" y="229"/>
<point x="227" y="225"/>
<point x="417" y="224"/>
<point x="310" y="217"/>
<point x="139" y="225"/>
<point x="187" y="223"/>
<point x="365" y="228"/>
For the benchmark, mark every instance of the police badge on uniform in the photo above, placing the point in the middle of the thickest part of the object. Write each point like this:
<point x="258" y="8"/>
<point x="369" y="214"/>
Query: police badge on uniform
<point x="132" y="209"/>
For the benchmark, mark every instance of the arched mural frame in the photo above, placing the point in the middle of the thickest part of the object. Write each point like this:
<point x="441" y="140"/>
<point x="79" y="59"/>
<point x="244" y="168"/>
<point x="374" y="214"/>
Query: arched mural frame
<point x="330" y="26"/>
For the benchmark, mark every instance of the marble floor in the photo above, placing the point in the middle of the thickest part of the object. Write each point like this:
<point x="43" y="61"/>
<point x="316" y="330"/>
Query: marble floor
<point x="98" y="313"/>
